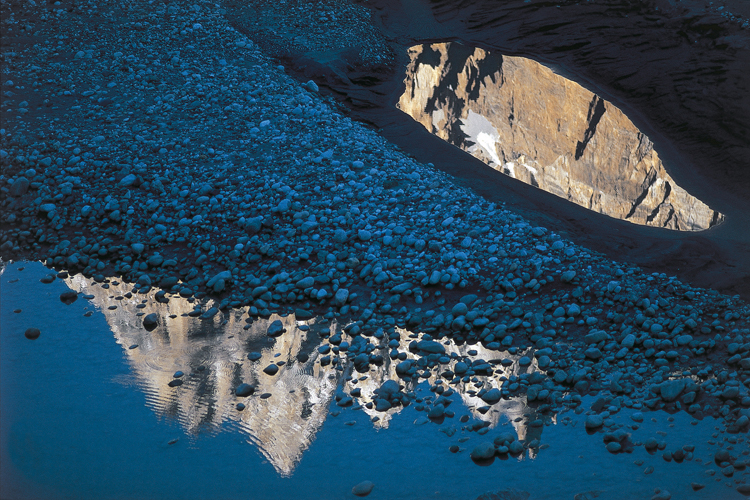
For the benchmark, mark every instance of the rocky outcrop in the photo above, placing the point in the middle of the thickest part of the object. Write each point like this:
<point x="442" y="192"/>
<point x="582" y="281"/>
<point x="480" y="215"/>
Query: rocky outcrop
<point x="521" y="118"/>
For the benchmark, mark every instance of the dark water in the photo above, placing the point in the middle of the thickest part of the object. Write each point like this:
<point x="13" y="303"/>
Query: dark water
<point x="84" y="416"/>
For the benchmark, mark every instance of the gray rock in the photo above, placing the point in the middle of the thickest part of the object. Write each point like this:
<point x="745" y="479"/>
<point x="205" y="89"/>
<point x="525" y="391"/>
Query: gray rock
<point x="32" y="333"/>
<point x="271" y="369"/>
<point x="567" y="276"/>
<point x="150" y="321"/>
<point x="614" y="447"/>
<point x="253" y="225"/>
<point x="210" y="313"/>
<point x="365" y="487"/>
<point x="244" y="390"/>
<point x="595" y="337"/>
<point x="430" y="346"/>
<point x="68" y="297"/>
<point x="128" y="180"/>
<point x="483" y="452"/>
<point x="730" y="392"/>
<point x="628" y="341"/>
<point x="515" y="448"/>
<point x="364" y="235"/>
<point x="340" y="236"/>
<point x="593" y="353"/>
<point x="460" y="309"/>
<point x="594" y="421"/>
<point x="342" y="295"/>
<point x="403" y="367"/>
<point x="275" y="329"/>
<point x="19" y="187"/>
<point x="388" y="389"/>
<point x="382" y="404"/>
<point x="492" y="396"/>
<point x="304" y="283"/>
<point x="224" y="275"/>
<point x="670" y="389"/>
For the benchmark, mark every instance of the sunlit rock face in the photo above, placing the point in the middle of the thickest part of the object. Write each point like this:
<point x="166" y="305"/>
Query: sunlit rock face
<point x="521" y="118"/>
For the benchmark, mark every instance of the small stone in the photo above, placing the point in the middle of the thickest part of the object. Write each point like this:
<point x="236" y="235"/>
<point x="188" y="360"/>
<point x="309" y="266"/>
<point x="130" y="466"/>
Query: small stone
<point x="342" y="294"/>
<point x="128" y="180"/>
<point x="363" y="489"/>
<point x="722" y="456"/>
<point x="364" y="235"/>
<point x="492" y="396"/>
<point x="19" y="187"/>
<point x="594" y="421"/>
<point x="574" y="310"/>
<point x="150" y="321"/>
<point x="613" y="447"/>
<point x="671" y="389"/>
<point x="459" y="309"/>
<point x="68" y="297"/>
<point x="32" y="333"/>
<point x="593" y="353"/>
<point x="437" y="412"/>
<point x="567" y="276"/>
<point x="244" y="390"/>
<point x="382" y="405"/>
<point x="483" y="452"/>
<point x="271" y="369"/>
<point x="275" y="329"/>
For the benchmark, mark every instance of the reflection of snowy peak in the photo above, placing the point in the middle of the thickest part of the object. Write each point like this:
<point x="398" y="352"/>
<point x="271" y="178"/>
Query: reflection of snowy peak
<point x="212" y="354"/>
<point x="521" y="118"/>
<point x="287" y="409"/>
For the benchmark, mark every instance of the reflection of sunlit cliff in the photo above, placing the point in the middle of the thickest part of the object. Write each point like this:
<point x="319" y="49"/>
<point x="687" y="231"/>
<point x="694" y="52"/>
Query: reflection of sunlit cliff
<point x="536" y="126"/>
<point x="212" y="354"/>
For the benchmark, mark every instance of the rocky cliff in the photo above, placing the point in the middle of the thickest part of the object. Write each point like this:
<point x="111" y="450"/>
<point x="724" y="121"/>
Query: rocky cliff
<point x="521" y="118"/>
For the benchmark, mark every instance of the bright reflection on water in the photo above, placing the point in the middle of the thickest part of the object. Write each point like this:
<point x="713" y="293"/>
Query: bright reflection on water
<point x="288" y="408"/>
<point x="75" y="422"/>
<point x="524" y="120"/>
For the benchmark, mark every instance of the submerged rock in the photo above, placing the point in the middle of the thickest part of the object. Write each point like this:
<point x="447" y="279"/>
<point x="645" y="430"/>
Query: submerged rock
<point x="32" y="333"/>
<point x="363" y="489"/>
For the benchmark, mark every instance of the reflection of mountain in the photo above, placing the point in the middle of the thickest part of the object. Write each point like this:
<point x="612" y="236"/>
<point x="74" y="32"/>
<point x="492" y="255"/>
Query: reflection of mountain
<point x="524" y="120"/>
<point x="212" y="354"/>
